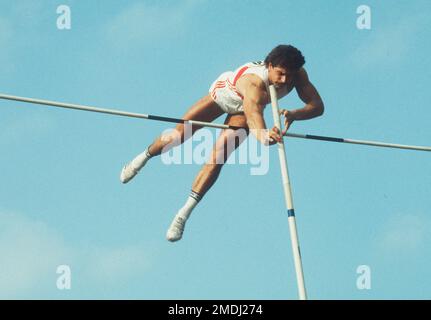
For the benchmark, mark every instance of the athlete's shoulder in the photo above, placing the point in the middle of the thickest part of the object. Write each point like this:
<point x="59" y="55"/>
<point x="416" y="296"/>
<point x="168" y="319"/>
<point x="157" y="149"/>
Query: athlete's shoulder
<point x="253" y="88"/>
<point x="302" y="72"/>
<point x="301" y="76"/>
<point x="251" y="80"/>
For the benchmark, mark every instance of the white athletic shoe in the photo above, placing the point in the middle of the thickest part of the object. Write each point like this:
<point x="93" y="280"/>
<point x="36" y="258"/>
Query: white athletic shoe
<point x="132" y="168"/>
<point x="175" y="231"/>
<point x="128" y="172"/>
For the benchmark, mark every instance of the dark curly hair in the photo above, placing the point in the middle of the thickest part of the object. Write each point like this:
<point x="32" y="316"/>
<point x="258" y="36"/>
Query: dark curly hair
<point x="285" y="56"/>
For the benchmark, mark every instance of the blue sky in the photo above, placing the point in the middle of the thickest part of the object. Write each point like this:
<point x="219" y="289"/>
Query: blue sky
<point x="61" y="202"/>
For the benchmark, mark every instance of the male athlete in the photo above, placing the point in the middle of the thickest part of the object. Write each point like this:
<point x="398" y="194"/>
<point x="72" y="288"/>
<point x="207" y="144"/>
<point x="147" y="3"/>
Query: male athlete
<point x="242" y="95"/>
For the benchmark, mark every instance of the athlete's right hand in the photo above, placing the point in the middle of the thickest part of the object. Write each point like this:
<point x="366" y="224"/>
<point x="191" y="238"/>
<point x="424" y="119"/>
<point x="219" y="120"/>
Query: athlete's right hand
<point x="274" y="136"/>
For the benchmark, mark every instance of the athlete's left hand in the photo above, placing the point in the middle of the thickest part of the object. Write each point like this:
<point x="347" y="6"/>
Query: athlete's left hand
<point x="288" y="120"/>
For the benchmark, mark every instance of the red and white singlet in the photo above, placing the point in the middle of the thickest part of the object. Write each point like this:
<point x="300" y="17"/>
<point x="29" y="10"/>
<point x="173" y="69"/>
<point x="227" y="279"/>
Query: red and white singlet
<point x="223" y="91"/>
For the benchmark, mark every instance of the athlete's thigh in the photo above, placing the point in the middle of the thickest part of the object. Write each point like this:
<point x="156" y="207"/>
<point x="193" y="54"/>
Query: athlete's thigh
<point x="230" y="139"/>
<point x="206" y="109"/>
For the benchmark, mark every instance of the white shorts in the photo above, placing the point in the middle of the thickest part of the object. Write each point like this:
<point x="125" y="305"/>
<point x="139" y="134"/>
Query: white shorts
<point x="225" y="95"/>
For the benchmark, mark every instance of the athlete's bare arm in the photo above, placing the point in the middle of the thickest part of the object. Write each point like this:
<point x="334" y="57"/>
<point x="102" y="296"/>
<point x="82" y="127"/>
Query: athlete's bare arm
<point x="255" y="98"/>
<point x="307" y="93"/>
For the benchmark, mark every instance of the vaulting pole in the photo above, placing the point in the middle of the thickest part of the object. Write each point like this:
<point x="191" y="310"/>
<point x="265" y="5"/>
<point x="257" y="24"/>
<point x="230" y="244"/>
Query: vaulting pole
<point x="289" y="200"/>
<point x="202" y="123"/>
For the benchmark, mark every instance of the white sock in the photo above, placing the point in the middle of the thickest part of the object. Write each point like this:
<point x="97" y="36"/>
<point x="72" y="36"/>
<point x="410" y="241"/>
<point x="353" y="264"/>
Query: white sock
<point x="191" y="203"/>
<point x="141" y="159"/>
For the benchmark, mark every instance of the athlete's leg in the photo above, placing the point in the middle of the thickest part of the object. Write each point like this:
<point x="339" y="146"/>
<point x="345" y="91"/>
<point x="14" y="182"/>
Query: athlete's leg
<point x="227" y="142"/>
<point x="204" y="110"/>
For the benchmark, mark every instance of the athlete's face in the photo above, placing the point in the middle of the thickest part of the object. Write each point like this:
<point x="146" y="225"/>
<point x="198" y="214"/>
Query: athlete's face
<point x="279" y="76"/>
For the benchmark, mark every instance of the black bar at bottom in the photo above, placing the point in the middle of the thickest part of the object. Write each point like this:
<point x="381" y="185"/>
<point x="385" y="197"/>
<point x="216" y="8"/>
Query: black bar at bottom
<point x="309" y="136"/>
<point x="166" y="119"/>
